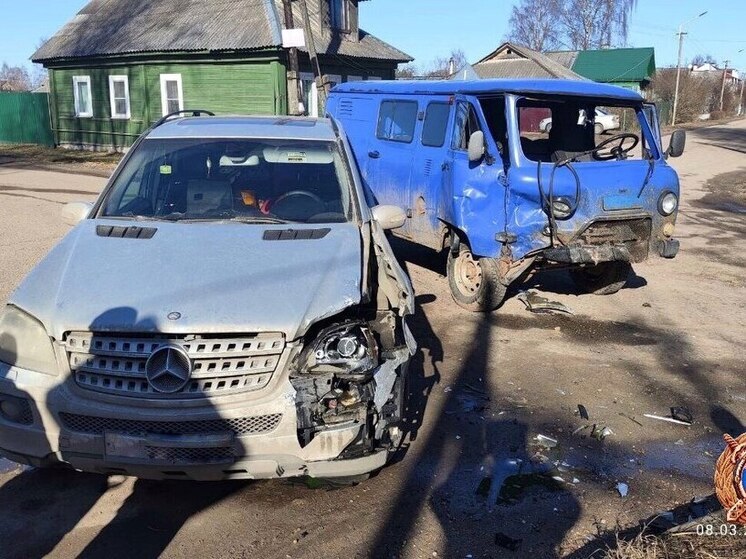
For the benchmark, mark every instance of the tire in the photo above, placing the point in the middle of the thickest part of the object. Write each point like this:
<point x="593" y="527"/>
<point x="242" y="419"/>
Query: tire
<point x="475" y="285"/>
<point x="605" y="278"/>
<point x="598" y="128"/>
<point x="548" y="128"/>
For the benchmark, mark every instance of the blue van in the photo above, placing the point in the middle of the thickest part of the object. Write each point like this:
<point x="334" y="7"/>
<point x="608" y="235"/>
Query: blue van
<point x="512" y="175"/>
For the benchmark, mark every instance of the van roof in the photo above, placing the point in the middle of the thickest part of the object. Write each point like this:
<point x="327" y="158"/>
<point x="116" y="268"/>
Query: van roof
<point x="480" y="87"/>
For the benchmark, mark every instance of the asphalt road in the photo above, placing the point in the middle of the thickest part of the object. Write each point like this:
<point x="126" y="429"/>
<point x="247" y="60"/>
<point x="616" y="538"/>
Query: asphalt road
<point x="485" y="386"/>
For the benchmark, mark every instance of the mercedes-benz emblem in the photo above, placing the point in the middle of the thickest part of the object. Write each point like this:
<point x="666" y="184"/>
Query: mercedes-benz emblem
<point x="174" y="316"/>
<point x="168" y="369"/>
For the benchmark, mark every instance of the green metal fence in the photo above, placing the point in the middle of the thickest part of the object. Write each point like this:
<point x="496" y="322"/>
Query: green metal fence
<point x="24" y="118"/>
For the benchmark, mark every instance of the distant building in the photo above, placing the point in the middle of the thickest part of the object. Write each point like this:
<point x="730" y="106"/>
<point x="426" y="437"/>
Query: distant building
<point x="120" y="65"/>
<point x="732" y="77"/>
<point x="632" y="68"/>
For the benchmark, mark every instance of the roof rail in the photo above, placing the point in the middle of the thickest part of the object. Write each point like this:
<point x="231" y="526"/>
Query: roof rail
<point x="193" y="112"/>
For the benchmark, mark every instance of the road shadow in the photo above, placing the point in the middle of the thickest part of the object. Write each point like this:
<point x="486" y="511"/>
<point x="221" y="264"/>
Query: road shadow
<point x="459" y="471"/>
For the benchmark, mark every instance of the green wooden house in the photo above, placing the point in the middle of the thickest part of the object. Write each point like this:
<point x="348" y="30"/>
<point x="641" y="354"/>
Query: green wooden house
<point x="120" y="65"/>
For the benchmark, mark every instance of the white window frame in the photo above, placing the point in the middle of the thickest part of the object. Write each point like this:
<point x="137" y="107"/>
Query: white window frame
<point x="76" y="100"/>
<point x="164" y="97"/>
<point x="344" y="24"/>
<point x="313" y="96"/>
<point x="112" y="100"/>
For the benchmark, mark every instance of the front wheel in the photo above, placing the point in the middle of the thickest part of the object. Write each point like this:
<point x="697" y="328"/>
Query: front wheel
<point x="474" y="283"/>
<point x="605" y="278"/>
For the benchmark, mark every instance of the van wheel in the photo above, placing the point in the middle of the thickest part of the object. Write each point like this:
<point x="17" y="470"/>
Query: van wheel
<point x="475" y="284"/>
<point x="548" y="128"/>
<point x="599" y="128"/>
<point x="605" y="278"/>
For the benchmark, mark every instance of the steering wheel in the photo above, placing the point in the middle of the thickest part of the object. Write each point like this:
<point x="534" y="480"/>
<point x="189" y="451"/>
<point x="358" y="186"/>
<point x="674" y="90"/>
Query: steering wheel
<point x="618" y="152"/>
<point x="298" y="205"/>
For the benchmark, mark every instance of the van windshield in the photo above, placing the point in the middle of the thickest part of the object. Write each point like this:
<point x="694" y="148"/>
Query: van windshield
<point x="232" y="179"/>
<point x="582" y="130"/>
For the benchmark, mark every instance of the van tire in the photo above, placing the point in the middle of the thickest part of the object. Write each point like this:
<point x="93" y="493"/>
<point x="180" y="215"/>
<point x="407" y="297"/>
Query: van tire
<point x="605" y="278"/>
<point x="599" y="128"/>
<point x="475" y="285"/>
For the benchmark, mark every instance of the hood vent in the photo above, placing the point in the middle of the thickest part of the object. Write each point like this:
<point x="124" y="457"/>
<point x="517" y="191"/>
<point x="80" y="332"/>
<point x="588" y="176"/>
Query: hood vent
<point x="295" y="234"/>
<point x="126" y="232"/>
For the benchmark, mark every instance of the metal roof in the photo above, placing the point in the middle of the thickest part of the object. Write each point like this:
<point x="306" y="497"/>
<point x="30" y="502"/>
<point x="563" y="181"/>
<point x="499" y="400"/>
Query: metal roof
<point x="616" y="65"/>
<point x="515" y="61"/>
<point x="120" y="27"/>
<point x="270" y="127"/>
<point x="481" y="87"/>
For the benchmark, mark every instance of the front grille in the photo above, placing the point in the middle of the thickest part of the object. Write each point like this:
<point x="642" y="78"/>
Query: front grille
<point x="240" y="426"/>
<point x="189" y="455"/>
<point x="634" y="234"/>
<point x="621" y="231"/>
<point x="115" y="363"/>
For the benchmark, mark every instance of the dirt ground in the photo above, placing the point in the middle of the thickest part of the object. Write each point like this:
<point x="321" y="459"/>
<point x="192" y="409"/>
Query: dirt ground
<point x="59" y="160"/>
<point x="484" y="387"/>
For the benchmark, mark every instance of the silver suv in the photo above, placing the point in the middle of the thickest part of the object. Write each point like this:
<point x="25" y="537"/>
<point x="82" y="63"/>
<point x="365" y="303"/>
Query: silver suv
<point x="229" y="307"/>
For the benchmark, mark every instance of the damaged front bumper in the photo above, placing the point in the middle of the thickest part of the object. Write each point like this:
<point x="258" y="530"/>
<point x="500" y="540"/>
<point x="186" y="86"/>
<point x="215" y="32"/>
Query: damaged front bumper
<point x="212" y="440"/>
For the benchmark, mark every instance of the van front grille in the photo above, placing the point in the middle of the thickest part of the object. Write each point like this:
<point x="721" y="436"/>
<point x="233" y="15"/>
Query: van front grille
<point x="115" y="363"/>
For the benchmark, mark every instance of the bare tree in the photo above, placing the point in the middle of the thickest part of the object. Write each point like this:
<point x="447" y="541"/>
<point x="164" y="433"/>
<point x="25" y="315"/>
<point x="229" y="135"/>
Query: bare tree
<point x="14" y="78"/>
<point x="39" y="74"/>
<point x="700" y="59"/>
<point x="595" y="24"/>
<point x="577" y="24"/>
<point x="442" y="67"/>
<point x="406" y="72"/>
<point x="533" y="23"/>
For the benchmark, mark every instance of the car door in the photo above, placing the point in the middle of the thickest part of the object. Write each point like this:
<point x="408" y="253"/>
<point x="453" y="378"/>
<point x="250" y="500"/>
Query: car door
<point x="476" y="189"/>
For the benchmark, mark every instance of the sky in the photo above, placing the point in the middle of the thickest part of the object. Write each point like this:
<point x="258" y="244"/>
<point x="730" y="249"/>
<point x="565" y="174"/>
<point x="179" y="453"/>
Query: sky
<point x="426" y="29"/>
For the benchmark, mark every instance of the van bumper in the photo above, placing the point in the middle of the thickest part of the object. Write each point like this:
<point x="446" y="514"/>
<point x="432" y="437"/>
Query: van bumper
<point x="587" y="254"/>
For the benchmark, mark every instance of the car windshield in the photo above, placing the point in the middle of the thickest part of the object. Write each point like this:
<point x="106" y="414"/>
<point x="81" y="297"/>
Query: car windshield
<point x="229" y="179"/>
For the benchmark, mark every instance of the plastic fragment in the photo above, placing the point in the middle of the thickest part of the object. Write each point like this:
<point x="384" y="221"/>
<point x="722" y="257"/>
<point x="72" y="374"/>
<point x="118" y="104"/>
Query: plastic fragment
<point x="538" y="304"/>
<point x="681" y="413"/>
<point x="622" y="488"/>
<point x="582" y="411"/>
<point x="546" y="442"/>
<point x="669" y="419"/>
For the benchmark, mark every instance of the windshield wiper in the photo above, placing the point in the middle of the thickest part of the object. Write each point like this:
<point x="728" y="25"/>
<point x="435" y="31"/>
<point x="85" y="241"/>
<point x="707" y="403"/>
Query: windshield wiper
<point x="263" y="219"/>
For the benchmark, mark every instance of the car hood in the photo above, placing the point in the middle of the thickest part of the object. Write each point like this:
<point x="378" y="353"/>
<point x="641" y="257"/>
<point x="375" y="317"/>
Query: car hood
<point x="218" y="277"/>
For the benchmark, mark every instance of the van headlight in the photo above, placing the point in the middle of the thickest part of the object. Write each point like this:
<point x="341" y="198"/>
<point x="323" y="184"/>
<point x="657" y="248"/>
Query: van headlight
<point x="347" y="348"/>
<point x="562" y="208"/>
<point x="25" y="343"/>
<point x="667" y="203"/>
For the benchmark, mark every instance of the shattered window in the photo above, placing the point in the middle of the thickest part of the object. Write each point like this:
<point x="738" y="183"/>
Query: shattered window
<point x="232" y="179"/>
<point x="553" y="131"/>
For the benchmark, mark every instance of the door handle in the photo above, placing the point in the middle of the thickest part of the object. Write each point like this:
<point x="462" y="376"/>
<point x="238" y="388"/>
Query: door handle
<point x="374" y="154"/>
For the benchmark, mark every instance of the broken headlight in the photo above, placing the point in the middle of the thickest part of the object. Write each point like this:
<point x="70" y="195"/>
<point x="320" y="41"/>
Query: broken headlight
<point x="343" y="348"/>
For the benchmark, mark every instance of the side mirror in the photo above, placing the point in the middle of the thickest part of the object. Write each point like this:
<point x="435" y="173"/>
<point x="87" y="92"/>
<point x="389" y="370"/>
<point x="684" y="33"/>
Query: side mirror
<point x="75" y="212"/>
<point x="476" y="146"/>
<point x="678" y="142"/>
<point x="389" y="217"/>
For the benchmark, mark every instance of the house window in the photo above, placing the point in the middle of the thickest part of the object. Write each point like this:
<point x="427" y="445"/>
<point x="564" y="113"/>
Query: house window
<point x="397" y="120"/>
<point x="82" y="96"/>
<point x="119" y="96"/>
<point x="340" y="14"/>
<point x="172" y="94"/>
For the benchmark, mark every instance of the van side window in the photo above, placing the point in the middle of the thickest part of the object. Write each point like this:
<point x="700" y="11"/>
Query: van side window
<point x="465" y="124"/>
<point x="396" y="121"/>
<point x="436" y="121"/>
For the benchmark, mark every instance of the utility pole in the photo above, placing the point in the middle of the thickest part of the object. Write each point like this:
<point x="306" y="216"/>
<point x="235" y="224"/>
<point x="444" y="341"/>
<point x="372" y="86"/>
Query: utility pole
<point x="294" y="90"/>
<point x="722" y="88"/>
<point x="740" y="98"/>
<point x="311" y="45"/>
<point x="678" y="67"/>
<point x="678" y="75"/>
